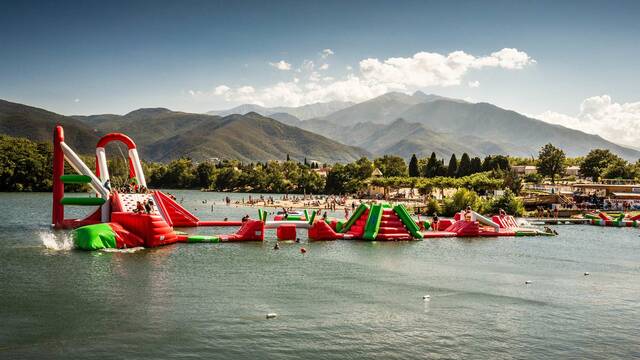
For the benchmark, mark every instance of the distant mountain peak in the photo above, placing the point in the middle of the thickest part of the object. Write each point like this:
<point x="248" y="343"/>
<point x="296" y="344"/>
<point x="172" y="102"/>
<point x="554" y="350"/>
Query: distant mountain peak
<point x="399" y="121"/>
<point x="303" y="112"/>
<point x="148" y="112"/>
<point x="420" y="94"/>
<point x="253" y="114"/>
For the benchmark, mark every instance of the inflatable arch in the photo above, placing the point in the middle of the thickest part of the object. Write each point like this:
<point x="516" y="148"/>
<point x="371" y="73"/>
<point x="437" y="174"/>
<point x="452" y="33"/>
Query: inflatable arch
<point x="135" y="167"/>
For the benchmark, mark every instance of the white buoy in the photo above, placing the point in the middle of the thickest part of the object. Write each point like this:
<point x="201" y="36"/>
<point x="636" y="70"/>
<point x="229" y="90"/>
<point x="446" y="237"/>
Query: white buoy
<point x="586" y="273"/>
<point x="426" y="297"/>
<point x="271" y="315"/>
<point x="528" y="282"/>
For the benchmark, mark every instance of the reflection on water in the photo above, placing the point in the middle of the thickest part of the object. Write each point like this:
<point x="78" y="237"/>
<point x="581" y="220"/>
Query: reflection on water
<point x="342" y="299"/>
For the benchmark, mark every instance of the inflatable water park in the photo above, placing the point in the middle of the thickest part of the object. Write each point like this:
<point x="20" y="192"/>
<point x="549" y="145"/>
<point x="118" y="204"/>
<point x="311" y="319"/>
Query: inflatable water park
<point x="601" y="218"/>
<point x="140" y="217"/>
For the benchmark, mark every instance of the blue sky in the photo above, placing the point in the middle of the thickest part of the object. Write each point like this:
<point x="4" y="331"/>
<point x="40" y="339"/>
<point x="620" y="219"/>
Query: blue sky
<point x="112" y="57"/>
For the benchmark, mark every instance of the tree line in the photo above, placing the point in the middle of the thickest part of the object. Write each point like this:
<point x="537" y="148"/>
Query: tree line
<point x="27" y="166"/>
<point x="597" y="164"/>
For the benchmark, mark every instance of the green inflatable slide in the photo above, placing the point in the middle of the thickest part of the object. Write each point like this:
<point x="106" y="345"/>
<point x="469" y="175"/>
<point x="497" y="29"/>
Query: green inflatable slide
<point x="356" y="214"/>
<point x="373" y="222"/>
<point x="411" y="225"/>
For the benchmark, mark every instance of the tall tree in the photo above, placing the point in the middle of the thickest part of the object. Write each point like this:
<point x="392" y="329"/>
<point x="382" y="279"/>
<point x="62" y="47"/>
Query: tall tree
<point x="391" y="166"/>
<point x="204" y="174"/>
<point x="596" y="161"/>
<point x="432" y="165"/>
<point x="620" y="169"/>
<point x="464" y="168"/>
<point x="551" y="162"/>
<point x="487" y="164"/>
<point x="501" y="162"/>
<point x="476" y="165"/>
<point x="440" y="170"/>
<point x="288" y="158"/>
<point x="414" y="168"/>
<point x="452" y="169"/>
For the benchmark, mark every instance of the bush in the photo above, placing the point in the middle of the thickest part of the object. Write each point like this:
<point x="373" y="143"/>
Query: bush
<point x="533" y="178"/>
<point x="507" y="202"/>
<point x="433" y="206"/>
<point x="460" y="200"/>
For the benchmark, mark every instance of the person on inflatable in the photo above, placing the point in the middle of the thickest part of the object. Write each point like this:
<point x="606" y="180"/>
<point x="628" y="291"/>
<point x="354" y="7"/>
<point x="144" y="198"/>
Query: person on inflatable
<point x="434" y="221"/>
<point x="467" y="214"/>
<point x="139" y="208"/>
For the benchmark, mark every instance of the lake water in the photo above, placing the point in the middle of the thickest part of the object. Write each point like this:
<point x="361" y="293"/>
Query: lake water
<point x="342" y="299"/>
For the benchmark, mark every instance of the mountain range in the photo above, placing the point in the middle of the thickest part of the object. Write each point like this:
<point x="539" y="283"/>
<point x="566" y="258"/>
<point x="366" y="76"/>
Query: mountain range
<point x="37" y="124"/>
<point x="393" y="123"/>
<point x="164" y="135"/>
<point x="402" y="124"/>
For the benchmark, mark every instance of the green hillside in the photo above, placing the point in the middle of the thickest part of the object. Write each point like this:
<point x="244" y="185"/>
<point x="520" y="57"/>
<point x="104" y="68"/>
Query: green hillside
<point x="37" y="124"/>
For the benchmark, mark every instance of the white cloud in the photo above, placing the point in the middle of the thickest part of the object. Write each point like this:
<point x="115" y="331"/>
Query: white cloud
<point x="601" y="116"/>
<point x="474" y="84"/>
<point x="246" y="90"/>
<point x="506" y="58"/>
<point x="281" y="65"/>
<point x="76" y="100"/>
<point x="307" y="65"/>
<point x="374" y="77"/>
<point x="326" y="53"/>
<point x="221" y="90"/>
<point x="349" y="68"/>
<point x="315" y="76"/>
<point x="432" y="69"/>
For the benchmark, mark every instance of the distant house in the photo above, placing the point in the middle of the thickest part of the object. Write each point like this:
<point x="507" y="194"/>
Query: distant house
<point x="572" y="170"/>
<point x="323" y="171"/>
<point x="376" y="173"/>
<point x="525" y="169"/>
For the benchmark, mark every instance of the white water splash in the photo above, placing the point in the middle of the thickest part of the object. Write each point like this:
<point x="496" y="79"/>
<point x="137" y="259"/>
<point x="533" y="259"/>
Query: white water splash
<point x="127" y="250"/>
<point x="59" y="241"/>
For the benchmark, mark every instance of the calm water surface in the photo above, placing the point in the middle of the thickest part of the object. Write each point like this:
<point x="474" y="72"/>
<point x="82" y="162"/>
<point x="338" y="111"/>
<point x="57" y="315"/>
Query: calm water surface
<point x="342" y="300"/>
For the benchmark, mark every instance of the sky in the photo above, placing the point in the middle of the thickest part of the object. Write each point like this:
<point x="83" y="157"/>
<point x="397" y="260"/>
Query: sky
<point x="574" y="63"/>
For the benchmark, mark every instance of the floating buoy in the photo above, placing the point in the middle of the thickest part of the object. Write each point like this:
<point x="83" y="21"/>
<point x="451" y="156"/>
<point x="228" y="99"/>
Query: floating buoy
<point x="586" y="273"/>
<point x="426" y="297"/>
<point x="271" y="315"/>
<point x="528" y="282"/>
<point x="303" y="250"/>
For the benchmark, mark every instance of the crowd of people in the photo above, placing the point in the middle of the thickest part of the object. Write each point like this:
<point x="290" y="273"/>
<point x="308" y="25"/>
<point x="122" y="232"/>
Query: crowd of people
<point x="129" y="188"/>
<point x="144" y="207"/>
